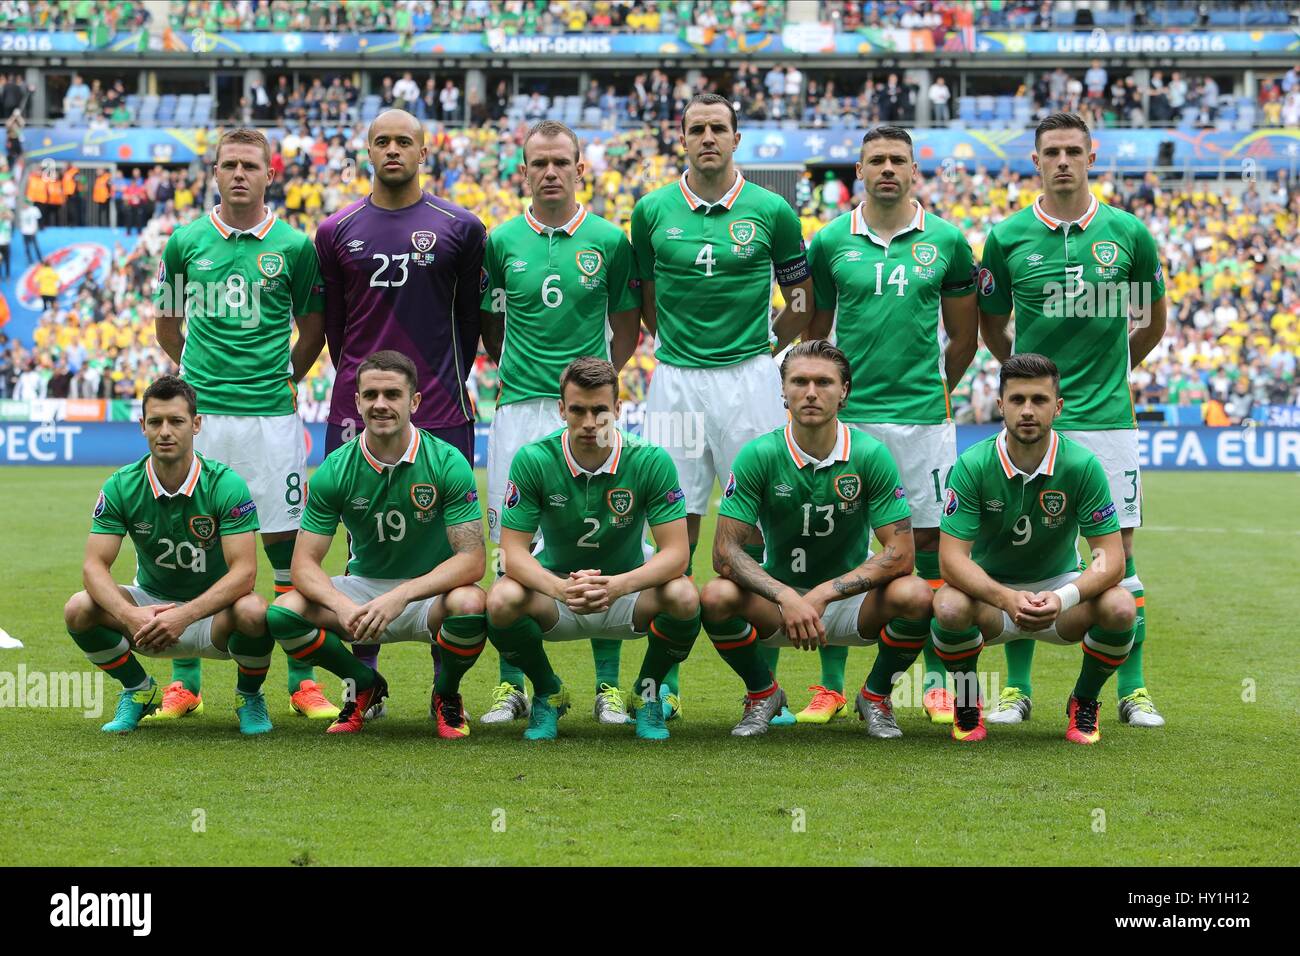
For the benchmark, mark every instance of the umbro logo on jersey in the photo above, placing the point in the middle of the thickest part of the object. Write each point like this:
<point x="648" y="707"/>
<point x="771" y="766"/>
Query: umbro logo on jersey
<point x="559" y="501"/>
<point x="783" y="490"/>
<point x="143" y="527"/>
<point x="203" y="265"/>
<point x="674" y="233"/>
<point x="1035" y="257"/>
<point x="853" y="255"/>
<point x="359" y="503"/>
<point x="993" y="505"/>
<point x="519" y="265"/>
<point x="356" y="245"/>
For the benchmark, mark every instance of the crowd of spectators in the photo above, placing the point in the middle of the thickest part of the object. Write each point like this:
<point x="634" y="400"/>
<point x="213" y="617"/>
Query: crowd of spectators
<point x="1232" y="261"/>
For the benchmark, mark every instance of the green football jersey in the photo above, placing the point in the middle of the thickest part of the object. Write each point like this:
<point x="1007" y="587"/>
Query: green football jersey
<point x="816" y="516"/>
<point x="239" y="293"/>
<point x="887" y="295"/>
<point x="712" y="265"/>
<point x="397" y="515"/>
<point x="1071" y="286"/>
<point x="591" y="519"/>
<point x="1026" y="527"/>
<point x="177" y="537"/>
<point x="556" y="289"/>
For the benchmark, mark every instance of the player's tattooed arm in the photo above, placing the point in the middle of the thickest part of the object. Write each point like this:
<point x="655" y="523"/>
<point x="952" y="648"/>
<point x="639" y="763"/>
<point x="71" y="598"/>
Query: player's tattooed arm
<point x="893" y="560"/>
<point x="732" y="563"/>
<point x="466" y="537"/>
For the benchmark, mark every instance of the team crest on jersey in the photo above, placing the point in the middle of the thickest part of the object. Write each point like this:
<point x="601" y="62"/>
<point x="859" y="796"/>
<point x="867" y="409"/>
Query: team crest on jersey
<point x="512" y="494"/>
<point x="925" y="253"/>
<point x="589" y="261"/>
<point x="848" y="487"/>
<point x="270" y="264"/>
<point x="1053" y="502"/>
<point x="620" y="501"/>
<point x="203" y="527"/>
<point x="743" y="231"/>
<point x="424" y="495"/>
<point x="1105" y="252"/>
<point x="986" y="283"/>
<point x="422" y="240"/>
<point x="100" y="504"/>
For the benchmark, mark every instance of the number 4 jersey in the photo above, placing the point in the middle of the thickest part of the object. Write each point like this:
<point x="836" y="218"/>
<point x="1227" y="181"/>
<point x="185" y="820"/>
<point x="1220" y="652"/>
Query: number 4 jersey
<point x="177" y="536"/>
<point x="397" y="515"/>
<point x="816" y="516"/>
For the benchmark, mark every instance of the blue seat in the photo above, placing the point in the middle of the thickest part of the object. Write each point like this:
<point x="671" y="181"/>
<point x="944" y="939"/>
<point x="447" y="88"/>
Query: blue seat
<point x="1225" y="18"/>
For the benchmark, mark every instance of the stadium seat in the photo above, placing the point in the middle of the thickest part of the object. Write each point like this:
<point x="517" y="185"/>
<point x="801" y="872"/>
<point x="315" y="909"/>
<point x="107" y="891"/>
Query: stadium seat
<point x="1022" y="21"/>
<point x="1176" y="17"/>
<point x="1225" y="18"/>
<point x="591" y="116"/>
<point x="1112" y="18"/>
<point x="1062" y="17"/>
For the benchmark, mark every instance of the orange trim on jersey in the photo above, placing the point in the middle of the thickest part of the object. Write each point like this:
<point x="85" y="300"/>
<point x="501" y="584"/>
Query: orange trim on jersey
<point x="414" y="448"/>
<point x="1090" y="215"/>
<point x="727" y="201"/>
<point x="191" y="480"/>
<point x="408" y="456"/>
<point x="686" y="193"/>
<point x="1140" y="602"/>
<point x="1051" y="453"/>
<point x="293" y="391"/>
<point x="533" y="222"/>
<point x="225" y="233"/>
<point x="749" y="638"/>
<point x="582" y="217"/>
<point x="618" y="453"/>
<point x="462" y="651"/>
<point x="189" y="487"/>
<point x="789" y="446"/>
<point x="112" y="665"/>
<point x="375" y="463"/>
<point x="154" y="484"/>
<point x="310" y="648"/>
<point x="1007" y="468"/>
<point x="947" y="402"/>
<point x="575" y="469"/>
<point x="568" y="457"/>
<point x="265" y="229"/>
<point x="1112" y="661"/>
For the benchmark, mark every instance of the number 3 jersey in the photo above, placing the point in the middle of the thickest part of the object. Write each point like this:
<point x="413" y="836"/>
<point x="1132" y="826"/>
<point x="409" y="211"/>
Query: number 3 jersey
<point x="555" y="288"/>
<point x="816" y="516"/>
<point x="591" y="519"/>
<point x="1026" y="527"/>
<point x="404" y="279"/>
<point x="397" y="515"/>
<point x="177" y="536"/>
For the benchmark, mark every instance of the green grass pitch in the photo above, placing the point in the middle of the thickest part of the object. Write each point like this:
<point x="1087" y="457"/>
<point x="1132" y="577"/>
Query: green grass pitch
<point x="1216" y="786"/>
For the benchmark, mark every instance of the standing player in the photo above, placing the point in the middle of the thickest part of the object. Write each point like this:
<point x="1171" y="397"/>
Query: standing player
<point x="240" y="278"/>
<point x="1015" y="508"/>
<point x="415" y="536"/>
<point x="1078" y="274"/>
<point x="560" y="283"/>
<point x="191" y="521"/>
<point x="885" y="274"/>
<point x="817" y="489"/>
<point x="401" y="271"/>
<point x="591" y="491"/>
<point x="707" y="247"/>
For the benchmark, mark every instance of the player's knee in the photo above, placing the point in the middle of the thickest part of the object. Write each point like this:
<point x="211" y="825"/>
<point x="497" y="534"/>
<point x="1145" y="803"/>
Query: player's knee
<point x="250" y="615"/>
<point x="1116" y="610"/>
<point x="79" y="612"/>
<point x="680" y="598"/>
<point x="505" y="601"/>
<point x="719" y="599"/>
<point x="912" y="595"/>
<point x="465" y="600"/>
<point x="953" y="610"/>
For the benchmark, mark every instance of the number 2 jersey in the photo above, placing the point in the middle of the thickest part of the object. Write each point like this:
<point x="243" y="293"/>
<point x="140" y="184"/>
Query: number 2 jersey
<point x="177" y="536"/>
<point x="816" y="516"/>
<point x="397" y="515"/>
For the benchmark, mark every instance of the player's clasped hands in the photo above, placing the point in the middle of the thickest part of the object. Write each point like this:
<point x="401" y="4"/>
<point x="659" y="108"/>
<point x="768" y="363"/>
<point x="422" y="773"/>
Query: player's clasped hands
<point x="801" y="620"/>
<point x="1036" y="612"/>
<point x="373" y="617"/>
<point x="160" y="626"/>
<point x="588" y="591"/>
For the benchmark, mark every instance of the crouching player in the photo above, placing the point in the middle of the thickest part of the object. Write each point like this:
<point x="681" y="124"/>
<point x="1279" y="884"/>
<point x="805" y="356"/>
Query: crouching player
<point x="816" y="488"/>
<point x="591" y="490"/>
<point x="408" y="501"/>
<point x="192" y="522"/>
<point x="1016" y="506"/>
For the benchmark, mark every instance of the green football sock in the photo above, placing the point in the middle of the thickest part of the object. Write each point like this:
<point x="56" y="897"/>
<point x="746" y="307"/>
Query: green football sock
<point x="187" y="671"/>
<point x="510" y="674"/>
<point x="1103" y="653"/>
<point x="672" y="681"/>
<point x="667" y="645"/>
<point x="900" y="643"/>
<point x="1130" y="676"/>
<point x="111" y="653"/>
<point x="302" y="639"/>
<point x="520" y="643"/>
<point x="927" y="567"/>
<point x="253" y="657"/>
<point x="462" y="637"/>
<point x="771" y="656"/>
<point x="606" y="655"/>
<point x="1020" y="661"/>
<point x="280" y="556"/>
<point x="737" y="642"/>
<point x="960" y="653"/>
<point x="834" y="659"/>
<point x="690" y="560"/>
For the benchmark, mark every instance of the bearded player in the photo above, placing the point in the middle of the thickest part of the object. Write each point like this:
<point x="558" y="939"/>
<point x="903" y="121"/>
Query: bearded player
<point x="1084" y="282"/>
<point x="231" y="286"/>
<point x="560" y="283"/>
<point x="887" y="275"/>
<point x="401" y="270"/>
<point x="1016" y="505"/>
<point x="817" y="489"/>
<point x="708" y="247"/>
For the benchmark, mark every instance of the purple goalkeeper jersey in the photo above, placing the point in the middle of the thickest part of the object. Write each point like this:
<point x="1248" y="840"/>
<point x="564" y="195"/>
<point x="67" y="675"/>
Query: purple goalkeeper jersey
<point x="405" y="279"/>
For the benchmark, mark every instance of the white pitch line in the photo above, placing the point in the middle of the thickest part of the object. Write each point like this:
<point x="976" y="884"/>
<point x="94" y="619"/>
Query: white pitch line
<point x="1179" y="530"/>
